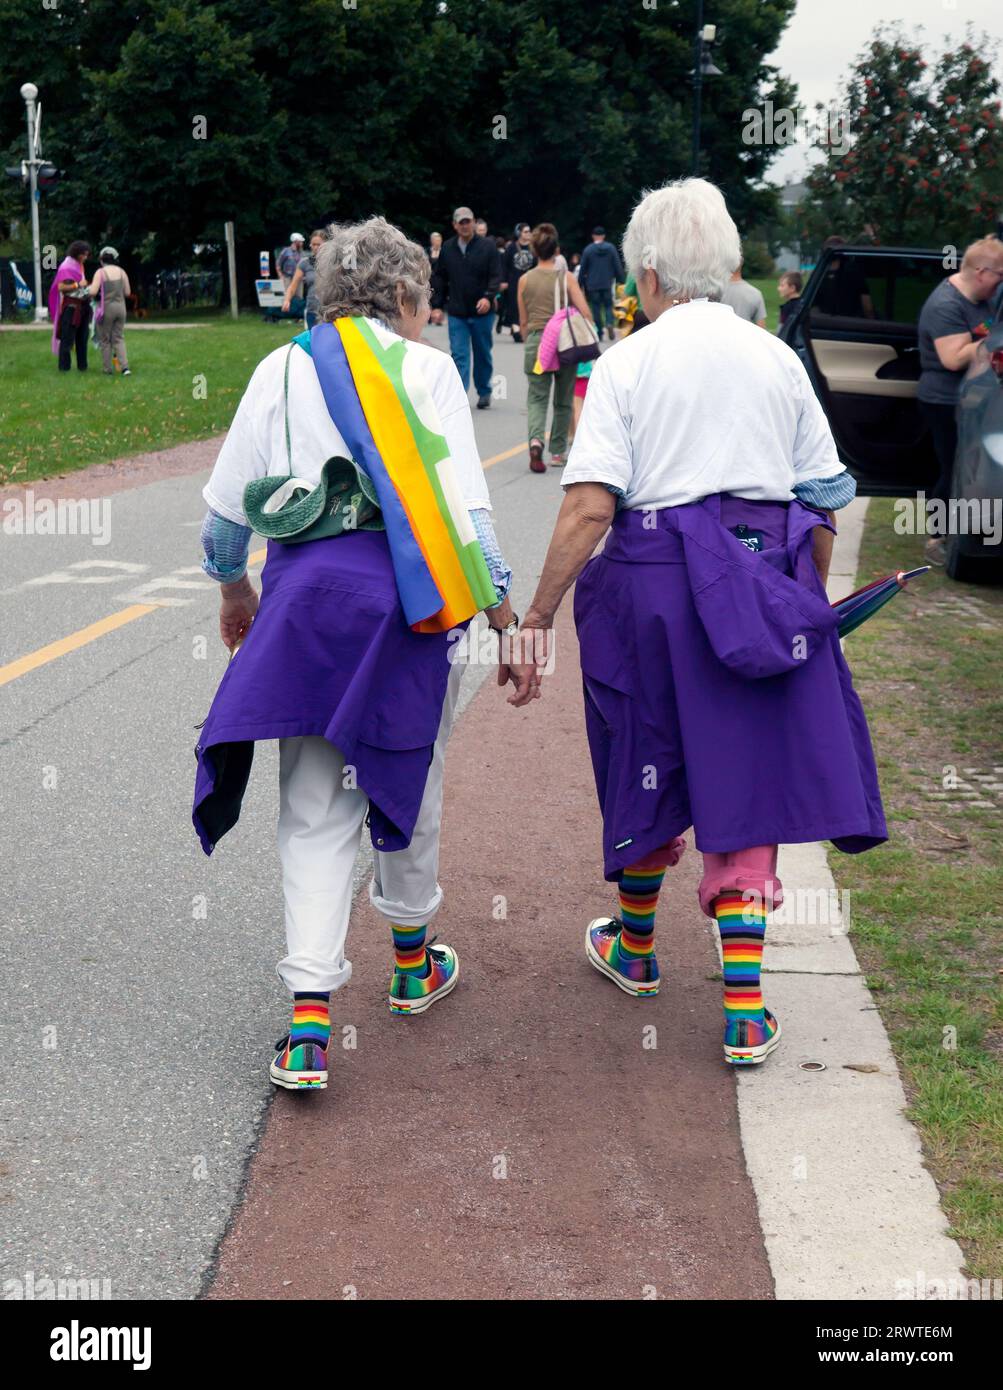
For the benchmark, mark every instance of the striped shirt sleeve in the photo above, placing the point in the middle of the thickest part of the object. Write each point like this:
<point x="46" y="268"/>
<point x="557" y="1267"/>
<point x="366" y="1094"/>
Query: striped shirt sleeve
<point x="827" y="494"/>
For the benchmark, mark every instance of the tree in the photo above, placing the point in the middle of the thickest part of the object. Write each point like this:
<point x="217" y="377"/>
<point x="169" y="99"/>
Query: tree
<point x="527" y="109"/>
<point x="923" y="165"/>
<point x="179" y="137"/>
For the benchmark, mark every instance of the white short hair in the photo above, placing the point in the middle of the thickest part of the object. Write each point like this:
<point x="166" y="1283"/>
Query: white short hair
<point x="685" y="233"/>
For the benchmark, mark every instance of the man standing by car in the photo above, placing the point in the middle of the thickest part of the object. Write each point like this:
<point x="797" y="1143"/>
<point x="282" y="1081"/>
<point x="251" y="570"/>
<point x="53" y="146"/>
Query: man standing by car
<point x="951" y="323"/>
<point x="465" y="280"/>
<point x="601" y="268"/>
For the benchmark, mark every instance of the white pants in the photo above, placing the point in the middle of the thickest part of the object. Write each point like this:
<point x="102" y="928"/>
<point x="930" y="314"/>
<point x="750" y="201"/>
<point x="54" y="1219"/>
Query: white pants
<point x="320" y="830"/>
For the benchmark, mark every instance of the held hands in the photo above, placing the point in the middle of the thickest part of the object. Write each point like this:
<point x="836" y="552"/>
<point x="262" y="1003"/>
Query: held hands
<point x="522" y="660"/>
<point x="524" y="677"/>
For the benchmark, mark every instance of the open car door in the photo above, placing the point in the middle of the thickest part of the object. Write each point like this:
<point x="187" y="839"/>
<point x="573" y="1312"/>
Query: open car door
<point x="855" y="329"/>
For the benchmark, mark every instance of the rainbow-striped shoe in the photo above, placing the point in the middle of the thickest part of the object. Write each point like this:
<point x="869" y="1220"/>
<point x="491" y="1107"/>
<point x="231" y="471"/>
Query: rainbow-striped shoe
<point x="299" y="1068"/>
<point x="748" y="1042"/>
<point x="636" y="975"/>
<point x="413" y="994"/>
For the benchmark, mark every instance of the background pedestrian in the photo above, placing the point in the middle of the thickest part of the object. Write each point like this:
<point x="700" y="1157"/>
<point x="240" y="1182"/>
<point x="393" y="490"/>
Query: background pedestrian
<point x="601" y="268"/>
<point x="110" y="287"/>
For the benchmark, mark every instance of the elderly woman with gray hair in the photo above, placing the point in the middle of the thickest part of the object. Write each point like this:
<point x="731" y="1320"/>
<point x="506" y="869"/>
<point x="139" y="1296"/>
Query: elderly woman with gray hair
<point x="353" y="452"/>
<point x="716" y="693"/>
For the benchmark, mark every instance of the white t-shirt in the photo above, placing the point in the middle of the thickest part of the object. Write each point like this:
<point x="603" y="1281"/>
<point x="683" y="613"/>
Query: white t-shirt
<point x="256" y="443"/>
<point x="699" y="402"/>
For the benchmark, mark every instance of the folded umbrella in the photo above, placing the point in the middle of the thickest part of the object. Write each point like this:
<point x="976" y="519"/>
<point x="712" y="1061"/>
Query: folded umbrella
<point x="857" y="607"/>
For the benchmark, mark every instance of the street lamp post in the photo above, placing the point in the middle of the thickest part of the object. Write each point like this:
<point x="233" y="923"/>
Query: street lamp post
<point x="702" y="67"/>
<point x="29" y="93"/>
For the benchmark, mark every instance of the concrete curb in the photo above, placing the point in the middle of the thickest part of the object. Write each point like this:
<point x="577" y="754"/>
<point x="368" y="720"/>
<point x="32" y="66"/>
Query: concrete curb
<point x="848" y="1210"/>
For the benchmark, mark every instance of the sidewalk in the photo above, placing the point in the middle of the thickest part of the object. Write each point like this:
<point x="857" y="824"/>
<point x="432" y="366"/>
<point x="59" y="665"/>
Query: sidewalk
<point x="847" y="1207"/>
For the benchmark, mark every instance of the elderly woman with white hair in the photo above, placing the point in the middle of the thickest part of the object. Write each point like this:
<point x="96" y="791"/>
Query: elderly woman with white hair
<point x="716" y="694"/>
<point x="353" y="452"/>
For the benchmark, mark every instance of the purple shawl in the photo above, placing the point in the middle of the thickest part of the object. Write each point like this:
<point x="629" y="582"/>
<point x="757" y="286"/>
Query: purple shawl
<point x="69" y="270"/>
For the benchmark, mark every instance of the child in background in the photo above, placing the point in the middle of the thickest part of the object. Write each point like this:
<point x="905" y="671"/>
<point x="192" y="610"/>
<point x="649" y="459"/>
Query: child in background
<point x="789" y="290"/>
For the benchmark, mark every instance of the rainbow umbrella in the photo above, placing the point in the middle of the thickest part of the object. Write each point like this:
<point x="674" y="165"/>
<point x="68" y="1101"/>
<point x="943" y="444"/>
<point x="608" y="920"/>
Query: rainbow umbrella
<point x="857" y="607"/>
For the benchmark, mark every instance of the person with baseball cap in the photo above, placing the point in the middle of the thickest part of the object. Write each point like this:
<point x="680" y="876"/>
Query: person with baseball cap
<point x="600" y="270"/>
<point x="465" y="280"/>
<point x="290" y="257"/>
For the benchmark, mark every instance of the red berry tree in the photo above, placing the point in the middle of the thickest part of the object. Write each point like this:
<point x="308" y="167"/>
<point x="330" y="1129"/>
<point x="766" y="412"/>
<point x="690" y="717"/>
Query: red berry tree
<point x="922" y="154"/>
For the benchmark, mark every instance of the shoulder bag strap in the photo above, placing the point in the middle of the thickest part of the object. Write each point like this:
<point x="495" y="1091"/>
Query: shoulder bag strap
<point x="285" y="398"/>
<point x="560" y="282"/>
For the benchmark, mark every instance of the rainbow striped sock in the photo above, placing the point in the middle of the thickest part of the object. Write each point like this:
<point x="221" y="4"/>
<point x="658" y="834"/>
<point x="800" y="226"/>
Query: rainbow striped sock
<point x="639" y="889"/>
<point x="311" y="1020"/>
<point x="409" y="949"/>
<point x="742" y="925"/>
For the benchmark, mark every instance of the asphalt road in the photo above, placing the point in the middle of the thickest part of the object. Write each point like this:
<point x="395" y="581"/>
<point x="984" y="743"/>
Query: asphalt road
<point x="138" y="981"/>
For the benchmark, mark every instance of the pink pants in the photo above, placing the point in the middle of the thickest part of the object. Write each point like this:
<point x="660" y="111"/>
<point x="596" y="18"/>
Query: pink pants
<point x="742" y="870"/>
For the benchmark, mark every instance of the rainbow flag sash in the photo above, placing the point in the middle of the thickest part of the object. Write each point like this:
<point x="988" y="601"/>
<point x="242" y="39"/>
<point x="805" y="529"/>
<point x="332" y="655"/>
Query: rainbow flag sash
<point x="384" y="411"/>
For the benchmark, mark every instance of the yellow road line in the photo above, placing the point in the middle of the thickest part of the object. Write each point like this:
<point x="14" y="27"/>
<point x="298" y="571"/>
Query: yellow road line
<point x="33" y="660"/>
<point x="508" y="454"/>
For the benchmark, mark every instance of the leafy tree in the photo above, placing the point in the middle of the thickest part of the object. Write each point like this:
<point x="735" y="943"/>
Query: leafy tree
<point x="923" y="167"/>
<point x="179" y="133"/>
<point x="757" y="263"/>
<point x="523" y="108"/>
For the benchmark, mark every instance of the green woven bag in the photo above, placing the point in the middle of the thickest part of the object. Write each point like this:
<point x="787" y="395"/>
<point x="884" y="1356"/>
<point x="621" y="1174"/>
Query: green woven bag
<point x="291" y="510"/>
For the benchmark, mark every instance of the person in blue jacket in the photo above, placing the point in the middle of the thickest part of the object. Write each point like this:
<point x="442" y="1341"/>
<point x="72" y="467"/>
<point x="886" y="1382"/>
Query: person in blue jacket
<point x="600" y="270"/>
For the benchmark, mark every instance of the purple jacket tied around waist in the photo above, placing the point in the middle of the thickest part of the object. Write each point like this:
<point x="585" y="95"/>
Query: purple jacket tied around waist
<point x="716" y="693"/>
<point x="329" y="653"/>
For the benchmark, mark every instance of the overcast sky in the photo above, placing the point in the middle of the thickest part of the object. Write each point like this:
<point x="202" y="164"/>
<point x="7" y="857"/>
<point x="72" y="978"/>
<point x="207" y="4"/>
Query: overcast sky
<point x="825" y="36"/>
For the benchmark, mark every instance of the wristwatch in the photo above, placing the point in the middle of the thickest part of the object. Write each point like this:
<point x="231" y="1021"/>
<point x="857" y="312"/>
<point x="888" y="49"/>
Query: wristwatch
<point x="511" y="630"/>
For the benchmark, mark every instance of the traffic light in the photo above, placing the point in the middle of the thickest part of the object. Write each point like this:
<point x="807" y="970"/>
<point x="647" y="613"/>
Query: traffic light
<point x="48" y="174"/>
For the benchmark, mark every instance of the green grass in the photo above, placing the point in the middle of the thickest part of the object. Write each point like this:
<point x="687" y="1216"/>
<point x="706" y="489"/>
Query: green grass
<point x="54" y="422"/>
<point x="769" y="290"/>
<point x="926" y="923"/>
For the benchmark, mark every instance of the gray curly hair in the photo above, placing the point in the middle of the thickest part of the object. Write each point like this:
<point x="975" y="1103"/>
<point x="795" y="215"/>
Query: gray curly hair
<point x="360" y="267"/>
